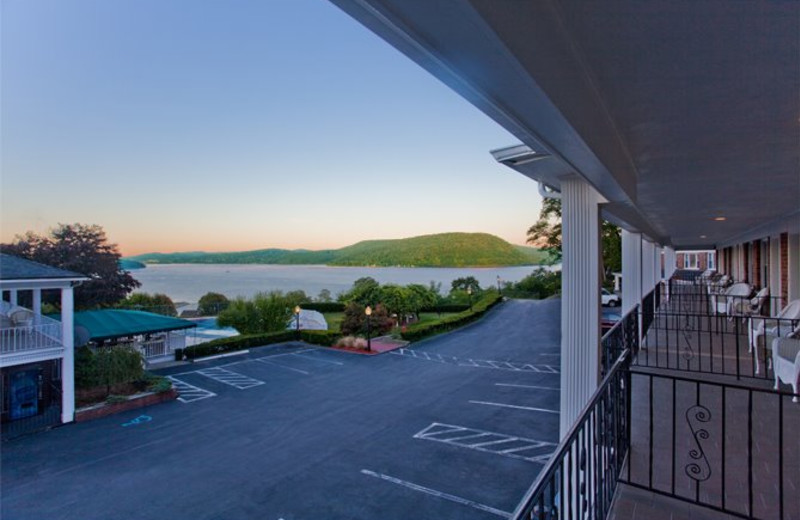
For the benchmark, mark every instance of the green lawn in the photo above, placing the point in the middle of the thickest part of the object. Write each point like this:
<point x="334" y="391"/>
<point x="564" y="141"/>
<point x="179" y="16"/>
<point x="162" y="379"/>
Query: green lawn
<point x="334" y="319"/>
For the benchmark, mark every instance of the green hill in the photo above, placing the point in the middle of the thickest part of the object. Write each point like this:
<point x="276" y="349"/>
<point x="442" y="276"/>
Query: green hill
<point x="442" y="250"/>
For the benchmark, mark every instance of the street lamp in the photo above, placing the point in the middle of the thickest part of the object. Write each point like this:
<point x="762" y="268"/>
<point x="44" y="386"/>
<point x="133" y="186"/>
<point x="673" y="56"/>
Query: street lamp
<point x="499" y="287"/>
<point x="297" y="321"/>
<point x="368" y="312"/>
<point x="469" y="293"/>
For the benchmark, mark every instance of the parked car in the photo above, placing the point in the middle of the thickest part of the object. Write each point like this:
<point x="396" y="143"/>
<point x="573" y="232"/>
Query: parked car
<point x="609" y="298"/>
<point x="609" y="318"/>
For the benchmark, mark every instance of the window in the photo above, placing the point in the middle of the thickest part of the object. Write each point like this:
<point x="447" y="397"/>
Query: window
<point x="691" y="261"/>
<point x="712" y="261"/>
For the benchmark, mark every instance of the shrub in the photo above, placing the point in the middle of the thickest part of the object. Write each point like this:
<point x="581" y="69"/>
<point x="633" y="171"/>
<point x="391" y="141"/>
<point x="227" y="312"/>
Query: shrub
<point x="447" y="307"/>
<point x="156" y="383"/>
<point x="266" y="312"/>
<point x="85" y="368"/>
<point x="212" y="303"/>
<point x="352" y="342"/>
<point x="118" y="365"/>
<point x="234" y="343"/>
<point x="323" y="306"/>
<point x="355" y="320"/>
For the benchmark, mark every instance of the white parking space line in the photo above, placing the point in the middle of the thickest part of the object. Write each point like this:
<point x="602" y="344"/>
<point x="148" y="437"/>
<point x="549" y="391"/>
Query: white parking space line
<point x="517" y="407"/>
<point x="188" y="393"/>
<point x="314" y="358"/>
<point x="438" y="494"/>
<point x="229" y="378"/>
<point x="489" y="442"/>
<point x="269" y="362"/>
<point x="538" y="368"/>
<point x="529" y="386"/>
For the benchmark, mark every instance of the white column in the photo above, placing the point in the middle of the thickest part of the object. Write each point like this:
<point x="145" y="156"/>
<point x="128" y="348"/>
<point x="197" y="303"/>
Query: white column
<point x="631" y="270"/>
<point x="68" y="361"/>
<point x="657" y="254"/>
<point x="37" y="301"/>
<point x="580" y="298"/>
<point x="794" y="267"/>
<point x="12" y="297"/>
<point x="669" y="262"/>
<point x="648" y="274"/>
<point x="774" y="272"/>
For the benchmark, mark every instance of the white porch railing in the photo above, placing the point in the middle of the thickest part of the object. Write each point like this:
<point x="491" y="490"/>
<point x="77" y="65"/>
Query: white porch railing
<point x="37" y="332"/>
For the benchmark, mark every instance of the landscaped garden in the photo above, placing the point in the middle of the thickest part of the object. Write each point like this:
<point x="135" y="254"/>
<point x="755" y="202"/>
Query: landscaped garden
<point x="366" y="311"/>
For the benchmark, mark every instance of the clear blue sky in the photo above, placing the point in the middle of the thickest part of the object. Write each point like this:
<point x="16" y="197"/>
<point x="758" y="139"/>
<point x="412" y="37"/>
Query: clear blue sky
<point x="232" y="125"/>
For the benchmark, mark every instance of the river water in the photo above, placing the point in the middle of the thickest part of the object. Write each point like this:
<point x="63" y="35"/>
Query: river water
<point x="188" y="282"/>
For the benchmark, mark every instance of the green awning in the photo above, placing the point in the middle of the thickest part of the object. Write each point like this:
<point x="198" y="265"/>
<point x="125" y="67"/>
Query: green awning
<point x="115" y="323"/>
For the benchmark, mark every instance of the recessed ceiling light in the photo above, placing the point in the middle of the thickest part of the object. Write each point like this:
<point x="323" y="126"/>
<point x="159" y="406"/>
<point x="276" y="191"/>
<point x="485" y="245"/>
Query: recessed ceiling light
<point x="720" y="219"/>
<point x="702" y="236"/>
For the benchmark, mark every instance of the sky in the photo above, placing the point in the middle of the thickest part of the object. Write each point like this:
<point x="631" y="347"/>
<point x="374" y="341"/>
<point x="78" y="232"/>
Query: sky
<point x="185" y="125"/>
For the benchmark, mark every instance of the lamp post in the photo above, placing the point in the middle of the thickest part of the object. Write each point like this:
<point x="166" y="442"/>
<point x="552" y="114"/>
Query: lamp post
<point x="469" y="293"/>
<point x="499" y="287"/>
<point x="297" y="321"/>
<point x="368" y="312"/>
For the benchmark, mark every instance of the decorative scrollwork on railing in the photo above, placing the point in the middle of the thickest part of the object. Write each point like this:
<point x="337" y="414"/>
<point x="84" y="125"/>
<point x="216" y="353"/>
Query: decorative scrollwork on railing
<point x="698" y="468"/>
<point x="687" y="352"/>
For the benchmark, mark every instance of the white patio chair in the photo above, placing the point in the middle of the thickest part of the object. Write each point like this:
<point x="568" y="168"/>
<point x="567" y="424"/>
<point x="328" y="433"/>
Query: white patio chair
<point x="786" y="361"/>
<point x="723" y="303"/>
<point x="778" y="327"/>
<point x="22" y="318"/>
<point x="751" y="306"/>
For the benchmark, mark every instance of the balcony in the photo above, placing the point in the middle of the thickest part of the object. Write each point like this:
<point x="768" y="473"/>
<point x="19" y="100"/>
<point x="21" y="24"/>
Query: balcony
<point x="27" y="337"/>
<point x="686" y="423"/>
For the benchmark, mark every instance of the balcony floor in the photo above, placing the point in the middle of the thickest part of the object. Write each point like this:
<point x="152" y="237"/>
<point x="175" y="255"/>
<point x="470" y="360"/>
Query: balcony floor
<point x="631" y="503"/>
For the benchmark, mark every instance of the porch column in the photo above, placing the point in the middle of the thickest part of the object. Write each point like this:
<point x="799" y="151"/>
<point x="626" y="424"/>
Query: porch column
<point x="648" y="274"/>
<point x="580" y="298"/>
<point x="794" y="267"/>
<point x="12" y="297"/>
<point x="774" y="274"/>
<point x="37" y="301"/>
<point x="669" y="262"/>
<point x="631" y="270"/>
<point x="68" y="361"/>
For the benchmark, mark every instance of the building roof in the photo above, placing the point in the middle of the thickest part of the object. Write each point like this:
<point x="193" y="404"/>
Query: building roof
<point x="16" y="268"/>
<point x="116" y="323"/>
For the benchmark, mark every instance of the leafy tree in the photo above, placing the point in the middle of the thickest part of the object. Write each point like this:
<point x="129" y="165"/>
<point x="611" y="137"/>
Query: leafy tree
<point x="83" y="249"/>
<point x="539" y="284"/>
<point x="355" y="320"/>
<point x="462" y="284"/>
<point x="294" y="298"/>
<point x="265" y="312"/>
<point x="546" y="233"/>
<point x="397" y="299"/>
<point x="324" y="296"/>
<point x="365" y="291"/>
<point x="119" y="364"/>
<point x="212" y="303"/>
<point x="157" y="303"/>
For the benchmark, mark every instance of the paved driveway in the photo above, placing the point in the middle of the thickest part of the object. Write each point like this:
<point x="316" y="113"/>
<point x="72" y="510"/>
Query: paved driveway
<point x="454" y="427"/>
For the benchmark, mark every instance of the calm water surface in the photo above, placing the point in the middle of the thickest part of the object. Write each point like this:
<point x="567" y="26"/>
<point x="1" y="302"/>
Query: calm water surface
<point x="188" y="282"/>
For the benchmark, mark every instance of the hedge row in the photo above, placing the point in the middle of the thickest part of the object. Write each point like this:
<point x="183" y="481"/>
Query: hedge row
<point x="245" y="341"/>
<point x="323" y="306"/>
<point x="447" y="307"/>
<point x="423" y="330"/>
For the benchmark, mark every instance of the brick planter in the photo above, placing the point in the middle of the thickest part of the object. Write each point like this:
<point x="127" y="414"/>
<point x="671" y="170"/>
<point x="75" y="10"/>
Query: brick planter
<point x="96" y="411"/>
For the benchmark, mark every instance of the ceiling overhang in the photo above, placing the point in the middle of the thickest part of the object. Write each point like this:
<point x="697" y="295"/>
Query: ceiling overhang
<point x="676" y="112"/>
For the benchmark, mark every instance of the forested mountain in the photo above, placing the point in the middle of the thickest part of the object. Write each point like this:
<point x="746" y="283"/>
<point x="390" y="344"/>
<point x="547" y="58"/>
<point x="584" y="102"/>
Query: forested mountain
<point x="441" y="250"/>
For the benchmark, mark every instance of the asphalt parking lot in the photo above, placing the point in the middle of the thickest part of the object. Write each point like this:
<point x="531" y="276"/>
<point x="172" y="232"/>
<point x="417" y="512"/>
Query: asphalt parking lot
<point x="454" y="427"/>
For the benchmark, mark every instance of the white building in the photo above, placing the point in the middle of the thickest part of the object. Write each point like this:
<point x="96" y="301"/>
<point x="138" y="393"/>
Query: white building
<point x="36" y="352"/>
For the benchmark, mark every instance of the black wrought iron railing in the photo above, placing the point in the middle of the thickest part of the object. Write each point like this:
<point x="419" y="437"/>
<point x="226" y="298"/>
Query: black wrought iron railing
<point x="725" y="446"/>
<point x="581" y="477"/>
<point x="624" y="335"/>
